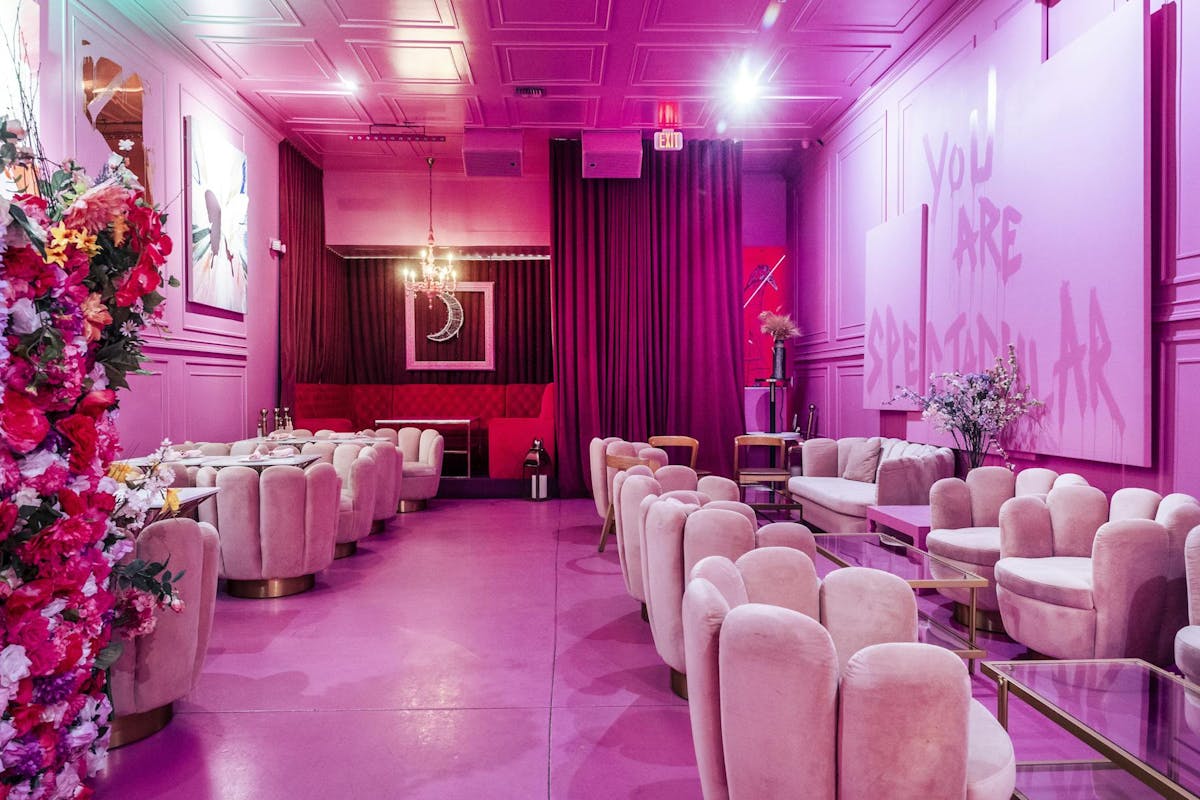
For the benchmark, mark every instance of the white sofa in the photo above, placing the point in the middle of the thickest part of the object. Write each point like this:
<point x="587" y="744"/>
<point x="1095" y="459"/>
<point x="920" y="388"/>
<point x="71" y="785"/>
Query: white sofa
<point x="832" y="503"/>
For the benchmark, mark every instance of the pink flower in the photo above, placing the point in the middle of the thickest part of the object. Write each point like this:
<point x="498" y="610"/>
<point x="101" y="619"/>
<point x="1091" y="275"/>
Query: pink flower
<point x="95" y="209"/>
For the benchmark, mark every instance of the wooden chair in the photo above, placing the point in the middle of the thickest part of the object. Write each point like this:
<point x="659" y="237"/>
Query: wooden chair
<point x="692" y="445"/>
<point x="778" y="473"/>
<point x="618" y="463"/>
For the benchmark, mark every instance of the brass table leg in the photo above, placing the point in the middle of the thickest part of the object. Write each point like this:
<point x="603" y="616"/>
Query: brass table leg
<point x="1002" y="701"/>
<point x="971" y="629"/>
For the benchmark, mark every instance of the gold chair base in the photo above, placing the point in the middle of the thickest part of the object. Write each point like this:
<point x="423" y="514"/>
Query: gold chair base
<point x="645" y="613"/>
<point x="409" y="506"/>
<point x="271" y="587"/>
<point x="377" y="526"/>
<point x="130" y="728"/>
<point x="988" y="621"/>
<point x="679" y="683"/>
<point x="345" y="549"/>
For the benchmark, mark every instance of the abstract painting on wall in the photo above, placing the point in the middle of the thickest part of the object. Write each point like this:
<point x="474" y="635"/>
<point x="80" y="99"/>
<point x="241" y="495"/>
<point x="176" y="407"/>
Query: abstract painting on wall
<point x="218" y="205"/>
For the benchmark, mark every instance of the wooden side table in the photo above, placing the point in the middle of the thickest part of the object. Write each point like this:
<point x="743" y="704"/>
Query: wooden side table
<point x="912" y="521"/>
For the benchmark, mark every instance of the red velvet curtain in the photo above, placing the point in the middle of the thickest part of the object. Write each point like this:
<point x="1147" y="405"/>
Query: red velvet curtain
<point x="313" y="346"/>
<point x="521" y="297"/>
<point x="646" y="279"/>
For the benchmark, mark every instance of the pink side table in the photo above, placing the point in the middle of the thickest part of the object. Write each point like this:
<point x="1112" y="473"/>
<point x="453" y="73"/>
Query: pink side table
<point x="913" y="521"/>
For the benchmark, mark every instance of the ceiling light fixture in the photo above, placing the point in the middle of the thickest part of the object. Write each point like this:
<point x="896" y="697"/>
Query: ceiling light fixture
<point x="433" y="278"/>
<point x="395" y="133"/>
<point x="745" y="88"/>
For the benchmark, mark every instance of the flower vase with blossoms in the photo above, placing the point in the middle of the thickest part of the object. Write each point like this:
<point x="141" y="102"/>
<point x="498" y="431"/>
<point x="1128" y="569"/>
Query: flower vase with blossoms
<point x="976" y="408"/>
<point x="82" y="265"/>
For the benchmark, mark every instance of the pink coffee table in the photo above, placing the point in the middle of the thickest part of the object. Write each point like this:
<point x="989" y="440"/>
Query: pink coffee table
<point x="912" y="521"/>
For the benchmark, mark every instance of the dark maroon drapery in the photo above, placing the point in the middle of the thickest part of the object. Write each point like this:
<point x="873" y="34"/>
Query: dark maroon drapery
<point x="312" y="289"/>
<point x="646" y="279"/>
<point x="521" y="293"/>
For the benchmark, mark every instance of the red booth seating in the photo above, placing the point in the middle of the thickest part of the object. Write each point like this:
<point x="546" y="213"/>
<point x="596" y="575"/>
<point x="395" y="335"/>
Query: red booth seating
<point x="512" y="415"/>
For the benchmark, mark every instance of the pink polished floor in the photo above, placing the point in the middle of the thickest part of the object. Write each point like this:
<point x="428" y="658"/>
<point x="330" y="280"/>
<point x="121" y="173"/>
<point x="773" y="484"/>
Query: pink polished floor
<point x="480" y="649"/>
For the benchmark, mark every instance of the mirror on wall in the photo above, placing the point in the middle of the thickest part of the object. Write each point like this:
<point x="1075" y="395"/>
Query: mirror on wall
<point x="113" y="102"/>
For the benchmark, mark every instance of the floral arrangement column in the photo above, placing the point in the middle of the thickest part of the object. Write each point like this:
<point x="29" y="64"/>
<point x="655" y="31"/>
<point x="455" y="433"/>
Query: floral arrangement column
<point x="81" y="268"/>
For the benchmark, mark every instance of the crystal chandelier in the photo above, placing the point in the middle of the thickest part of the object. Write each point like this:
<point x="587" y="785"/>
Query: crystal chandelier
<point x="432" y="278"/>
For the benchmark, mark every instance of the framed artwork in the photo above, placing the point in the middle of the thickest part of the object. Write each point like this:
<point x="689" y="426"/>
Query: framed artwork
<point x="217" y="208"/>
<point x="451" y="330"/>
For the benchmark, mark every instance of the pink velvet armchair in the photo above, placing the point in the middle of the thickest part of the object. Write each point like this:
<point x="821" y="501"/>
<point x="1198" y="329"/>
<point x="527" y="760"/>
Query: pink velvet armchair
<point x="421" y="467"/>
<point x="966" y="528"/>
<point x="676" y="537"/>
<point x="159" y="668"/>
<point x="390" y="465"/>
<point x="631" y="487"/>
<point x="858" y="607"/>
<point x="896" y="722"/>
<point x="1080" y="577"/>
<point x="608" y="458"/>
<point x="358" y="469"/>
<point x="1187" y="641"/>
<point x="277" y="529"/>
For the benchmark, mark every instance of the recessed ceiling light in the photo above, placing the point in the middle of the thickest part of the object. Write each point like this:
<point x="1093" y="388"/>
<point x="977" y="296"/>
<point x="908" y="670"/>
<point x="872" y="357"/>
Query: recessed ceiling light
<point x="745" y="88"/>
<point x="350" y="85"/>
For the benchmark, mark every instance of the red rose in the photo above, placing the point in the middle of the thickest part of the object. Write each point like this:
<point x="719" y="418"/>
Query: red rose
<point x="140" y="282"/>
<point x="8" y="518"/>
<point x="80" y="431"/>
<point x="96" y="402"/>
<point x="24" y="425"/>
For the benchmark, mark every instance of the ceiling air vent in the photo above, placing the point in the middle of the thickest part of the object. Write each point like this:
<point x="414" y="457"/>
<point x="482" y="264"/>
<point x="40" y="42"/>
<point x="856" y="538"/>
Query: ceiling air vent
<point x="529" y="91"/>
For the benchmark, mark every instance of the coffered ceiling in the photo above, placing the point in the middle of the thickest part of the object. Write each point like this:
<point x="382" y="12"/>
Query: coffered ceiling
<point x="321" y="69"/>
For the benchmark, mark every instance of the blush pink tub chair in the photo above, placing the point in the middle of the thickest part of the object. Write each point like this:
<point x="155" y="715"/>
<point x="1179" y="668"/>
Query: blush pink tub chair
<point x="1080" y="577"/>
<point x="607" y="458"/>
<point x="1187" y="641"/>
<point x="157" y="669"/>
<point x="421" y="467"/>
<point x="277" y="529"/>
<point x="390" y="463"/>
<point x="358" y="469"/>
<point x="858" y="607"/>
<point x="831" y="502"/>
<point x="676" y="536"/>
<point x="897" y="722"/>
<point x="966" y="528"/>
<point x="631" y="487"/>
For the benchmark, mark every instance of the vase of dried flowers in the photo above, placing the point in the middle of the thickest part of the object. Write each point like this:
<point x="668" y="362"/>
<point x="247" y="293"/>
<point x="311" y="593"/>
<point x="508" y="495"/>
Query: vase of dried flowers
<point x="781" y="328"/>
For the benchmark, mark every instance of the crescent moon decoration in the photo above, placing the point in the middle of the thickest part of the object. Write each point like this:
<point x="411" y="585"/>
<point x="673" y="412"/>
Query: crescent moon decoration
<point x="454" y="319"/>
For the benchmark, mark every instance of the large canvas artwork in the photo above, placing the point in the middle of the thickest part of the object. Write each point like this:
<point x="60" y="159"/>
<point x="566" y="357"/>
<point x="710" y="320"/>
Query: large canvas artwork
<point x="218" y="204"/>
<point x="1034" y="171"/>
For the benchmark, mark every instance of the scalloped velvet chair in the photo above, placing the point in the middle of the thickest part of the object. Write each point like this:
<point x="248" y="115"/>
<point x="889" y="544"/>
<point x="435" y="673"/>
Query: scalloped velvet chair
<point x="324" y="450"/>
<point x="859" y="607"/>
<point x="631" y="487"/>
<point x="387" y="496"/>
<point x="1082" y="577"/>
<point x="676" y="536"/>
<point x="1187" y="641"/>
<point x="277" y="529"/>
<point x="897" y="722"/>
<point x="965" y="529"/>
<point x="358" y="469"/>
<point x="608" y="457"/>
<point x="422" y="467"/>
<point x="159" y="668"/>
<point x="244" y="447"/>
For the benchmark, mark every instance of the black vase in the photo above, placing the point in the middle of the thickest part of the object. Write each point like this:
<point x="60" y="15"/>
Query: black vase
<point x="779" y="361"/>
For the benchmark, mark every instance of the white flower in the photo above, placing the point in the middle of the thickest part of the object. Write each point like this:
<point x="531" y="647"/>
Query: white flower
<point x="37" y="462"/>
<point x="25" y="317"/>
<point x="54" y="608"/>
<point x="27" y="496"/>
<point x="89" y="588"/>
<point x="7" y="732"/>
<point x="125" y="145"/>
<point x="14" y="665"/>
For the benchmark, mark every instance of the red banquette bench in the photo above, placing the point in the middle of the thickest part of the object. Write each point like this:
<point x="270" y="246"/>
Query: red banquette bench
<point x="512" y="415"/>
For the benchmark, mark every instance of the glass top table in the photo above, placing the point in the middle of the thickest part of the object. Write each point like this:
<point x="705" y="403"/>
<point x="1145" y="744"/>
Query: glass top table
<point x="1145" y="720"/>
<point x="920" y="570"/>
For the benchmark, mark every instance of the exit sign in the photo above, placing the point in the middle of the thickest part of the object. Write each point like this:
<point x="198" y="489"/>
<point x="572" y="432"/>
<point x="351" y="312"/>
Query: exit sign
<point x="668" y="140"/>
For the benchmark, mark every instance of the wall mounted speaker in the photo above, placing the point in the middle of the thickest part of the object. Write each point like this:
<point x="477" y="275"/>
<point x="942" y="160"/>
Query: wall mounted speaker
<point x="612" y="154"/>
<point x="492" y="153"/>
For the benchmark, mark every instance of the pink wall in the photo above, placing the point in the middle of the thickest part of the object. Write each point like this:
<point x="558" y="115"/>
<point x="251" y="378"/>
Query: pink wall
<point x="856" y="181"/>
<point x="210" y="375"/>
